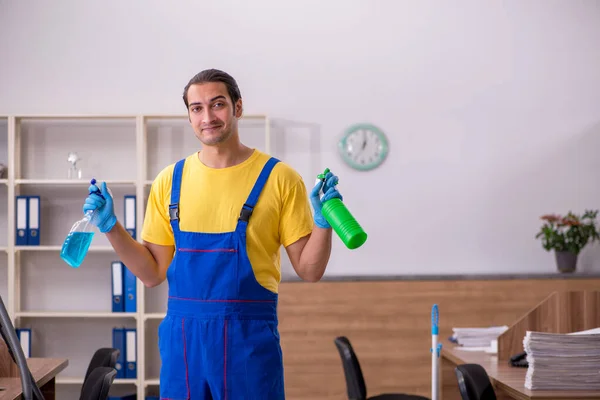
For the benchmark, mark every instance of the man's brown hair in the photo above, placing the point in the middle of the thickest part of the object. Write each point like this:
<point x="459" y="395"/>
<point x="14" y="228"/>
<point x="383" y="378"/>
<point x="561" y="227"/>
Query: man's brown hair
<point x="214" y="75"/>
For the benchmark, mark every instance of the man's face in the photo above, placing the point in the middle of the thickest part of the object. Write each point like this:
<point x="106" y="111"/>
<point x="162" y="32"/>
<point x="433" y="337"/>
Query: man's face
<point x="211" y="113"/>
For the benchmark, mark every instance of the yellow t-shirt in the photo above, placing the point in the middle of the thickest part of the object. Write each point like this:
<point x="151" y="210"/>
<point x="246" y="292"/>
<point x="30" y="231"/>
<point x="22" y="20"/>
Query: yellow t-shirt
<point x="211" y="200"/>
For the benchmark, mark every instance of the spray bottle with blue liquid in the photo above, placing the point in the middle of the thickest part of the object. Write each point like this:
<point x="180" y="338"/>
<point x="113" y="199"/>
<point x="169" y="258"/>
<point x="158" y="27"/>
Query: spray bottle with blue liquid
<point x="77" y="243"/>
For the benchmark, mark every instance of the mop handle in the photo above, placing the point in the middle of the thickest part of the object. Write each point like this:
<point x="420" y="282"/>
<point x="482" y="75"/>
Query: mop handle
<point x="435" y="353"/>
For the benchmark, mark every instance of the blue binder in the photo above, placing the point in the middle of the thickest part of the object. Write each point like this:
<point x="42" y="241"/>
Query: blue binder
<point x="33" y="221"/>
<point x="24" y="335"/>
<point x="131" y="353"/>
<point x="22" y="216"/>
<point x="119" y="343"/>
<point x="130" y="290"/>
<point x="130" y="220"/>
<point x="118" y="300"/>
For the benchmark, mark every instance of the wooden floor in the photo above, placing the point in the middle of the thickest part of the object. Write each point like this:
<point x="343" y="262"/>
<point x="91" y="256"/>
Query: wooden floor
<point x="389" y="325"/>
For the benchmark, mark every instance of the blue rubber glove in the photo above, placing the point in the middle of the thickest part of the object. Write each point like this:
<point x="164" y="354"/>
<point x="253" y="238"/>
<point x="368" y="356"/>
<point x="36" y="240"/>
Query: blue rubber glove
<point x="105" y="218"/>
<point x="328" y="188"/>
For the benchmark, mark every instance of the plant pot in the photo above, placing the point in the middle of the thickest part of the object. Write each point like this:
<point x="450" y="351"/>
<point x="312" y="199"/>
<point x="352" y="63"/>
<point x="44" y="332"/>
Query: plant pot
<point x="566" y="261"/>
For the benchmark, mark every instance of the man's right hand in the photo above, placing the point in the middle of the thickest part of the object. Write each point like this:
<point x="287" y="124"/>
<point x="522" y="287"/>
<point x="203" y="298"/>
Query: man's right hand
<point x="328" y="188"/>
<point x="105" y="218"/>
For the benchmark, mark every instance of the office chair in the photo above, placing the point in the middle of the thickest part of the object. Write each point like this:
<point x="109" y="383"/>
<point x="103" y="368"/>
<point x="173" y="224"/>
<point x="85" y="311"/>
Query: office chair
<point x="97" y="386"/>
<point x="355" y="382"/>
<point x="474" y="383"/>
<point x="103" y="357"/>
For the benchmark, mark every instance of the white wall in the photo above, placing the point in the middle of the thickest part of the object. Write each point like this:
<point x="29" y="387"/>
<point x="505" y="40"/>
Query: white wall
<point x="492" y="108"/>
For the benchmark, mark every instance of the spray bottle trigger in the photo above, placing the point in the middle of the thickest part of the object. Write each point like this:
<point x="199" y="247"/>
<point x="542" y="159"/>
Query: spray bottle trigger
<point x="97" y="191"/>
<point x="323" y="175"/>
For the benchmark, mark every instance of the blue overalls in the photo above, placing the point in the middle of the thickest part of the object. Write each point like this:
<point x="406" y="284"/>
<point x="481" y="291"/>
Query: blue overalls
<point x="219" y="339"/>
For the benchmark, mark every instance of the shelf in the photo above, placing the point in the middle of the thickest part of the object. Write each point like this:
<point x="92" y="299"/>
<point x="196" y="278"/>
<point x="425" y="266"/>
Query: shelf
<point x="73" y="116"/>
<point x="152" y="382"/>
<point x="3" y="181"/>
<point x="69" y="182"/>
<point x="79" y="381"/>
<point x="74" y="314"/>
<point x="152" y="316"/>
<point x="92" y="249"/>
<point x="52" y="140"/>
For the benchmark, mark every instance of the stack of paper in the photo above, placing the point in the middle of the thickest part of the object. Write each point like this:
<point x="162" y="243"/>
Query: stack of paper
<point x="477" y="337"/>
<point x="563" y="361"/>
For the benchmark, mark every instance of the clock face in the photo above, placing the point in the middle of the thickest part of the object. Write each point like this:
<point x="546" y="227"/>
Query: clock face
<point x="363" y="147"/>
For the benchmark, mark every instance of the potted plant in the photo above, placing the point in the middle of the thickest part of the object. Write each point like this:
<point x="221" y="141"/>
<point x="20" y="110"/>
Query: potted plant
<point x="567" y="236"/>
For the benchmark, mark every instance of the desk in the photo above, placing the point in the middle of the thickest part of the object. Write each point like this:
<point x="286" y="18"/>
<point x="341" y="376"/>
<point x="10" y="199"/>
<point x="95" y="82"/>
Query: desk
<point x="44" y="370"/>
<point x="508" y="381"/>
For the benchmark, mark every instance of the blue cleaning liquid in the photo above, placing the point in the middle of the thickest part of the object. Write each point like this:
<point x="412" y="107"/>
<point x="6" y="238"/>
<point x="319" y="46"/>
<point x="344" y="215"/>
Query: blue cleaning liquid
<point x="75" y="247"/>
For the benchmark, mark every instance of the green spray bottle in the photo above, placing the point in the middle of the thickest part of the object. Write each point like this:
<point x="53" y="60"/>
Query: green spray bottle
<point x="342" y="221"/>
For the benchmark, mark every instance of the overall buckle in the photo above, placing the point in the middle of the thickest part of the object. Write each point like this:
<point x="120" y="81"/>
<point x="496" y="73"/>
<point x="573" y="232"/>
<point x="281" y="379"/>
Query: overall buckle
<point x="174" y="212"/>
<point x="246" y="213"/>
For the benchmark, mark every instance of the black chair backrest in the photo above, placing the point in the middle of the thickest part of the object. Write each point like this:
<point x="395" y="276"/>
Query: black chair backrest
<point x="474" y="383"/>
<point x="355" y="382"/>
<point x="98" y="384"/>
<point x="103" y="357"/>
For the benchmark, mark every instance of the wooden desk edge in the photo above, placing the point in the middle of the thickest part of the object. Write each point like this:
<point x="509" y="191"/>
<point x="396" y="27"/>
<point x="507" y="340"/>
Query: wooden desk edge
<point x="58" y="365"/>
<point x="44" y="370"/>
<point x="448" y="352"/>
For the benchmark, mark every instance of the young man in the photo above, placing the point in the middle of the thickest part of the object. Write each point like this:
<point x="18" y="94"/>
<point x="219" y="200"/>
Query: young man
<point x="214" y="224"/>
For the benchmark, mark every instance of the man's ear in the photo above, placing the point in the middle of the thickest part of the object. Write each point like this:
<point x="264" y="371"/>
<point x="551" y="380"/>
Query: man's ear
<point x="239" y="109"/>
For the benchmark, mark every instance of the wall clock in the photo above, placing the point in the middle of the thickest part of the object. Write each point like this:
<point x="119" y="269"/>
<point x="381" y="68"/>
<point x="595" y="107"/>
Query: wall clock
<point x="363" y="147"/>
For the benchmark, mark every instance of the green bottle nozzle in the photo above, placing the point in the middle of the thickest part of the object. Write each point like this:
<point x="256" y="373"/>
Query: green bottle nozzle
<point x="342" y="221"/>
<point x="322" y="176"/>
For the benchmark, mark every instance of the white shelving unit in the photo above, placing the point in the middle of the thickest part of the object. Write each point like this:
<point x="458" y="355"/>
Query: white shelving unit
<point x="69" y="309"/>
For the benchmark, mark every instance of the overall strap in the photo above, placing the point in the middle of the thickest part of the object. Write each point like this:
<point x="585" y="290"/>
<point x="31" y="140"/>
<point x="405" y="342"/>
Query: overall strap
<point x="248" y="207"/>
<point x="175" y="191"/>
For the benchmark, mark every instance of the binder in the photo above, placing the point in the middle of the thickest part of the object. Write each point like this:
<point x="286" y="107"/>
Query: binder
<point x="24" y="335"/>
<point x="22" y="215"/>
<point x="33" y="208"/>
<point x="131" y="353"/>
<point x="130" y="290"/>
<point x="130" y="220"/>
<point x="119" y="344"/>
<point x="118" y="304"/>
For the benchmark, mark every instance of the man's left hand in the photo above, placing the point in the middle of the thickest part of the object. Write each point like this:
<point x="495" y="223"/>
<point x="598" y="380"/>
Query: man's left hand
<point x="328" y="187"/>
